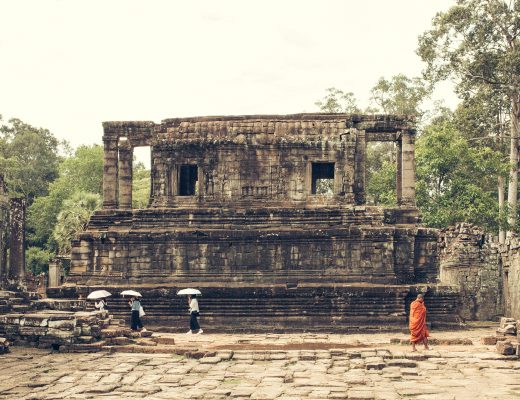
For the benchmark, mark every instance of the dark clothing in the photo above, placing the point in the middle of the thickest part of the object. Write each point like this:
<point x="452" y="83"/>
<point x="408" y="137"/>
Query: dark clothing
<point x="136" y="320"/>
<point x="194" y="324"/>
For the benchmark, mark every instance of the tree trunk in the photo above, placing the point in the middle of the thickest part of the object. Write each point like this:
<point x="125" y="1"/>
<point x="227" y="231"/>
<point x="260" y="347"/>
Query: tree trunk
<point x="501" y="186"/>
<point x="501" y="204"/>
<point x="512" y="194"/>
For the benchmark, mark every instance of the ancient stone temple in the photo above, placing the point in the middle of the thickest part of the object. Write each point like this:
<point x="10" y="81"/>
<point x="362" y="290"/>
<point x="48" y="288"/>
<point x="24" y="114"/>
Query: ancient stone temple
<point x="267" y="216"/>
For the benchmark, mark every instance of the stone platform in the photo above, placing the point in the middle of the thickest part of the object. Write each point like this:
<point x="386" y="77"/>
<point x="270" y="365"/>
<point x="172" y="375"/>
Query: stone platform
<point x="284" y="367"/>
<point x="280" y="308"/>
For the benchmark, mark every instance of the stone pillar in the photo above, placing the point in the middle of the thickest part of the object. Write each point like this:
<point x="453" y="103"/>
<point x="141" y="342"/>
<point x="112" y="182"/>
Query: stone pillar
<point x="110" y="172"/>
<point x="4" y="229"/>
<point x="17" y="246"/>
<point x="399" y="172"/>
<point x="54" y="273"/>
<point x="360" y="166"/>
<point x="126" y="154"/>
<point x="408" y="169"/>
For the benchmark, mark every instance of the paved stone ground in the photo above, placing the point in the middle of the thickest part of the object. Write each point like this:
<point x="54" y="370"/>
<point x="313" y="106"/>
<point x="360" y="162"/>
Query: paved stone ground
<point x="268" y="367"/>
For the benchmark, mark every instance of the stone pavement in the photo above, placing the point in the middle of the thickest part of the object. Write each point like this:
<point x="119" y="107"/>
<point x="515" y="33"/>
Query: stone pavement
<point x="283" y="367"/>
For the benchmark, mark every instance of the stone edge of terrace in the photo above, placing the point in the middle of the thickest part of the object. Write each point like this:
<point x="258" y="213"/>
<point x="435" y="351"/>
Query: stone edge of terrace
<point x="390" y="121"/>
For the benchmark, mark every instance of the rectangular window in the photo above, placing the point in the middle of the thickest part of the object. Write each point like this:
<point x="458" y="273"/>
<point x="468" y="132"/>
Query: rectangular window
<point x="323" y="178"/>
<point x="188" y="176"/>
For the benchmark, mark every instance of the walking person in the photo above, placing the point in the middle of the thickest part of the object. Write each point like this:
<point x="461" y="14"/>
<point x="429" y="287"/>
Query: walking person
<point x="418" y="329"/>
<point x="194" y="313"/>
<point x="136" y="323"/>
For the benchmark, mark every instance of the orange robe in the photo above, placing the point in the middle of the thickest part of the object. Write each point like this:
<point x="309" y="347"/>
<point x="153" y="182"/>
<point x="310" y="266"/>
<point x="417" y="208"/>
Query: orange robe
<point x="418" y="328"/>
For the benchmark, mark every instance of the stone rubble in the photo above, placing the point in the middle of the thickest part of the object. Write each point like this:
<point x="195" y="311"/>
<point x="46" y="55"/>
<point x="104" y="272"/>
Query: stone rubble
<point x="507" y="339"/>
<point x="4" y="345"/>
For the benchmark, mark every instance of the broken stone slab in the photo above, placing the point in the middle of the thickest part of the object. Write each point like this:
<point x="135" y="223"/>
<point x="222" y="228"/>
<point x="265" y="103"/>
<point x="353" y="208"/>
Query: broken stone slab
<point x="164" y="340"/>
<point x="507" y="330"/>
<point x="374" y="363"/>
<point x="488" y="340"/>
<point x="405" y="363"/>
<point x="504" y="321"/>
<point x="146" y="342"/>
<point x="506" y="348"/>
<point x="210" y="360"/>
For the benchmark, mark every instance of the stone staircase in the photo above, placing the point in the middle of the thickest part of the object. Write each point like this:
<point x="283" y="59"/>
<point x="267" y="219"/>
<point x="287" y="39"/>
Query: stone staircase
<point x="343" y="308"/>
<point x="16" y="301"/>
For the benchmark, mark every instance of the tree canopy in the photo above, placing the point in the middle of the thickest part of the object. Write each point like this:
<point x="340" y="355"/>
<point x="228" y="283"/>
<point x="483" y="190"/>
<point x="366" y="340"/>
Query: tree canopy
<point x="29" y="158"/>
<point x="476" y="43"/>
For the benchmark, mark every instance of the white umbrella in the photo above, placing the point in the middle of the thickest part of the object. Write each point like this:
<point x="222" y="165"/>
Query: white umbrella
<point x="131" y="293"/>
<point x="188" y="291"/>
<point x="98" y="294"/>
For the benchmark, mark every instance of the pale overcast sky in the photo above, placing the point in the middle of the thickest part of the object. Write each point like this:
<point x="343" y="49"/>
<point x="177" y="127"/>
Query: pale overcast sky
<point x="69" y="65"/>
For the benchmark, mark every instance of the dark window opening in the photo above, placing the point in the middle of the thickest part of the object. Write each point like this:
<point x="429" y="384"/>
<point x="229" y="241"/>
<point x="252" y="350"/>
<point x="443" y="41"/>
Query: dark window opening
<point x="188" y="180"/>
<point x="323" y="178"/>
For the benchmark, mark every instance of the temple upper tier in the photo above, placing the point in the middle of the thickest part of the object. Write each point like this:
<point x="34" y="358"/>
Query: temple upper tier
<point x="265" y="160"/>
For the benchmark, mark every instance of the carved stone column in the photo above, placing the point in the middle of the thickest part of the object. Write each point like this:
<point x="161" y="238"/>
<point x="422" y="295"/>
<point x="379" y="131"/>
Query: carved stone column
<point x="408" y="169"/>
<point x="360" y="166"/>
<point x="17" y="245"/>
<point x="126" y="154"/>
<point x="110" y="172"/>
<point x="4" y="228"/>
<point x="399" y="172"/>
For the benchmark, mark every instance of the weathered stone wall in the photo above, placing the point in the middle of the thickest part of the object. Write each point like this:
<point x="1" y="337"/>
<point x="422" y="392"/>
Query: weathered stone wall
<point x="510" y="259"/>
<point x="470" y="260"/>
<point x="47" y="328"/>
<point x="266" y="246"/>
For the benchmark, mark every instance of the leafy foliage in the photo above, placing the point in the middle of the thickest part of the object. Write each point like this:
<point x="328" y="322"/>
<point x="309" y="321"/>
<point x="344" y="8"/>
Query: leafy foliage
<point x="399" y="95"/>
<point x="141" y="186"/>
<point x="476" y="43"/>
<point x="73" y="218"/>
<point x="38" y="259"/>
<point x="336" y="101"/>
<point x="81" y="172"/>
<point x="28" y="158"/>
<point x="456" y="182"/>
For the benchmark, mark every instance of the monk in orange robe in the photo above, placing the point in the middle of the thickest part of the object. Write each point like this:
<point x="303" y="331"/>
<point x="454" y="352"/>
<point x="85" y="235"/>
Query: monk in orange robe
<point x="418" y="329"/>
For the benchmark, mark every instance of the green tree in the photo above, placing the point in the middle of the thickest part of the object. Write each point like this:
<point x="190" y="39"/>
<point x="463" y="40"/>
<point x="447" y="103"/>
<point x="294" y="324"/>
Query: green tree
<point x="382" y="183"/>
<point x="483" y="119"/>
<point x="28" y="158"/>
<point x="73" y="218"/>
<point x="336" y="101"/>
<point x="456" y="182"/>
<point x="37" y="260"/>
<point x="141" y="186"/>
<point x="476" y="42"/>
<point x="81" y="172"/>
<point x="399" y="95"/>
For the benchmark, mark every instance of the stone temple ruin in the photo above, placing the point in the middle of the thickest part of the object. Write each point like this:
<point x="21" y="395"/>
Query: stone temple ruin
<point x="267" y="216"/>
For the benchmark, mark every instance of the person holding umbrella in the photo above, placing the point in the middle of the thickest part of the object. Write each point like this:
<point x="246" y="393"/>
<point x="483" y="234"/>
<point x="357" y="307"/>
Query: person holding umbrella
<point x="101" y="304"/>
<point x="194" y="309"/>
<point x="136" y="323"/>
<point x="100" y="295"/>
<point x="137" y="309"/>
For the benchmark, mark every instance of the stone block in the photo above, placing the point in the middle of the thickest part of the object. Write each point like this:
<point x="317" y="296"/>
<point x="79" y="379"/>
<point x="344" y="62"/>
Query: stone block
<point x="506" y="348"/>
<point x="64" y="324"/>
<point x="488" y="340"/>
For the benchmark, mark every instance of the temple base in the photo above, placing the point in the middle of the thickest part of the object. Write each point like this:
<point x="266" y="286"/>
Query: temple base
<point x="281" y="308"/>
